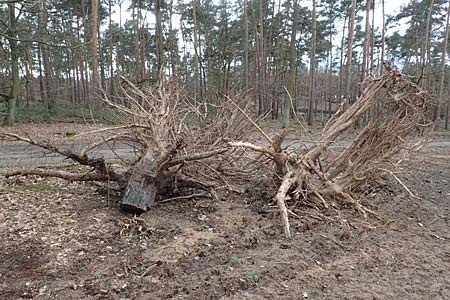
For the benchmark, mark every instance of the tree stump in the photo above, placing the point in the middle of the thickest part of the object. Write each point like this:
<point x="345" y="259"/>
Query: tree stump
<point x="143" y="184"/>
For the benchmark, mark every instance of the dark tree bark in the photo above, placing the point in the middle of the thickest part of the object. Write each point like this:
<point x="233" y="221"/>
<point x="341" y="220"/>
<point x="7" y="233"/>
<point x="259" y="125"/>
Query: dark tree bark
<point x="197" y="76"/>
<point x="245" y="68"/>
<point x="111" y="36"/>
<point x="158" y="38"/>
<point x="312" y="67"/>
<point x="42" y="30"/>
<point x="15" y="80"/>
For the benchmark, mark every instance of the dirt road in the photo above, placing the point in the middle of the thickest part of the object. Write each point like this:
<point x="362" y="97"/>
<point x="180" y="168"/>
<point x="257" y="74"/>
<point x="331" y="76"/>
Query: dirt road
<point x="20" y="155"/>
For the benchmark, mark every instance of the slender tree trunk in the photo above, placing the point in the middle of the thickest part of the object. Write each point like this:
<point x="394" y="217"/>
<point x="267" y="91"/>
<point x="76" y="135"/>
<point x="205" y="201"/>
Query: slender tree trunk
<point x="42" y="27"/>
<point x="257" y="63"/>
<point x="42" y="94"/>
<point x="262" y="61"/>
<point x="426" y="63"/>
<point x="312" y="66"/>
<point x="341" y="62"/>
<point x="68" y="57"/>
<point x="158" y="38"/>
<point x="111" y="36"/>
<point x="135" y="20"/>
<point x="85" y="51"/>
<point x="142" y="38"/>
<point x="94" y="24"/>
<point x="245" y="72"/>
<point x="278" y="65"/>
<point x="14" y="62"/>
<point x="172" y="44"/>
<point x="437" y="112"/>
<point x="447" y="111"/>
<point x="196" y="55"/>
<point x="371" y="63"/>
<point x="329" y="94"/>
<point x="77" y="85"/>
<point x="292" y="70"/>
<point x="383" y="35"/>
<point x="80" y="60"/>
<point x="348" y="68"/>
<point x="366" y="44"/>
<point x="30" y="77"/>
<point x="120" y="50"/>
<point x="102" y="59"/>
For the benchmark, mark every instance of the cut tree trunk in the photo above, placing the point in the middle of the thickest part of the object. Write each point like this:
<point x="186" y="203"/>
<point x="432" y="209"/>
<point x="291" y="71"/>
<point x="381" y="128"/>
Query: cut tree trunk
<point x="144" y="184"/>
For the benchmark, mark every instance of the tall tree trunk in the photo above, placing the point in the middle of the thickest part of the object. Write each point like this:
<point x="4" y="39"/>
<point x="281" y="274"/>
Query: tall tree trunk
<point x="84" y="50"/>
<point x="68" y="57"/>
<point x="366" y="44"/>
<point x="348" y="68"/>
<point x="245" y="74"/>
<point x="29" y="73"/>
<point x="312" y="66"/>
<point x="15" y="80"/>
<point x="172" y="44"/>
<point x="371" y="63"/>
<point x="158" y="38"/>
<point x="278" y="58"/>
<point x="74" y="67"/>
<point x="292" y="70"/>
<point x="447" y="111"/>
<point x="437" y="112"/>
<point x="111" y="36"/>
<point x="135" y="19"/>
<point x="102" y="59"/>
<point x="42" y="30"/>
<point x="80" y="61"/>
<point x="426" y="63"/>
<point x="196" y="55"/>
<point x="341" y="62"/>
<point x="121" y="59"/>
<point x="262" y="61"/>
<point x="329" y="94"/>
<point x="94" y="25"/>
<point x="257" y="59"/>
<point x="383" y="35"/>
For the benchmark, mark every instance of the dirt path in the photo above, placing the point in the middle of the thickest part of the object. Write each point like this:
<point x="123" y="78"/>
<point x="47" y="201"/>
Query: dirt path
<point x="62" y="240"/>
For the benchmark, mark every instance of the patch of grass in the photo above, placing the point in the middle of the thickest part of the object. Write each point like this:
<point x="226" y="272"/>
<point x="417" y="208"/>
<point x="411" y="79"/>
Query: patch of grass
<point x="38" y="112"/>
<point x="37" y="187"/>
<point x="236" y="260"/>
<point x="71" y="133"/>
<point x="251" y="276"/>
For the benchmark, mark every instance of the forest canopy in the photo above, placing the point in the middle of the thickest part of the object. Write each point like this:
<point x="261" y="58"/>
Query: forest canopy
<point x="307" y="56"/>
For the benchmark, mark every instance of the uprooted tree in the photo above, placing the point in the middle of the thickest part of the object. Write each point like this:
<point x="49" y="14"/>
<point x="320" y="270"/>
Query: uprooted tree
<point x="182" y="146"/>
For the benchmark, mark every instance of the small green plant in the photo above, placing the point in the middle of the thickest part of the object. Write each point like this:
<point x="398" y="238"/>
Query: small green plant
<point x="71" y="133"/>
<point x="251" y="276"/>
<point x="236" y="260"/>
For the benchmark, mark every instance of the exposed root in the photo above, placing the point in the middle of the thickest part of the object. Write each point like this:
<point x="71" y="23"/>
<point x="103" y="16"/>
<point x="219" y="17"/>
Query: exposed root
<point x="396" y="125"/>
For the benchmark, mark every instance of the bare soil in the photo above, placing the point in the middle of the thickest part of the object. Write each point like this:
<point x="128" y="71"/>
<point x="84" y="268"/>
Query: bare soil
<point x="62" y="240"/>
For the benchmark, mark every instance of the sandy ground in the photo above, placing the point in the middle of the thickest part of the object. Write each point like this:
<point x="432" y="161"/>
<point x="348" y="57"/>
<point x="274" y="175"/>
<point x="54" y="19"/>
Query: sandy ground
<point x="62" y="240"/>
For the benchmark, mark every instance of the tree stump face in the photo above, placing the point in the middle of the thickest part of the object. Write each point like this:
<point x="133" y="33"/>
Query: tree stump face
<point x="142" y="187"/>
